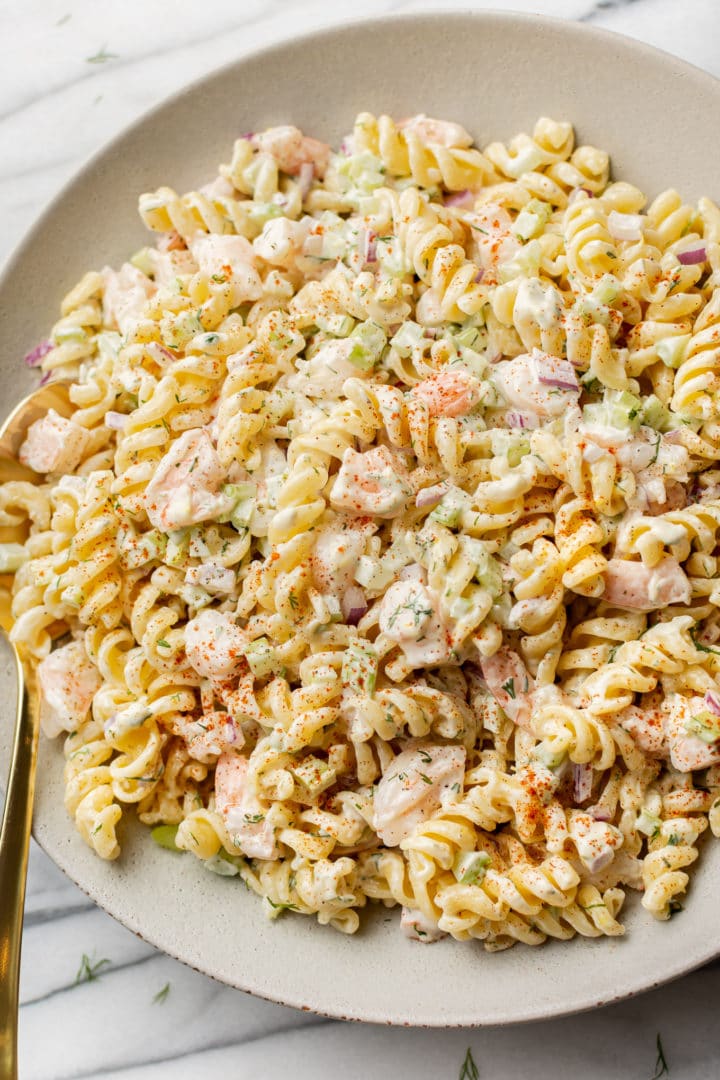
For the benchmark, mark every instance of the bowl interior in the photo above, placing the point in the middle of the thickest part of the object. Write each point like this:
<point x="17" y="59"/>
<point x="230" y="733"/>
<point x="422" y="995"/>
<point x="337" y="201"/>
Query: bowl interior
<point x="495" y="74"/>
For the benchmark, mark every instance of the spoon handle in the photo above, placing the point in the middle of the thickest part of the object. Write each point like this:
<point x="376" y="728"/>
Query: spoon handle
<point x="14" y="846"/>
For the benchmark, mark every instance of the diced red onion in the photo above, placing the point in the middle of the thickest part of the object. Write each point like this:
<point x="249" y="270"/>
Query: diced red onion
<point x="231" y="734"/>
<point x="115" y="420"/>
<point x="429" y="496"/>
<point x="673" y="437"/>
<point x="433" y="332"/>
<point x="34" y="357"/>
<point x="249" y="135"/>
<point x="582" y="782"/>
<point x="600" y="813"/>
<point x="46" y="378"/>
<point x="463" y="199"/>
<point x="367" y="246"/>
<point x="625" y="226"/>
<point x="305" y="178"/>
<point x="515" y="420"/>
<point x="353" y="605"/>
<point x="692" y="256"/>
<point x="479" y="276"/>
<point x="560" y="384"/>
<point x="578" y="191"/>
<point x="712" y="701"/>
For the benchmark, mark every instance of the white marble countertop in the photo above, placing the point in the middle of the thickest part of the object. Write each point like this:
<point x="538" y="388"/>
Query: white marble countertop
<point x="74" y="72"/>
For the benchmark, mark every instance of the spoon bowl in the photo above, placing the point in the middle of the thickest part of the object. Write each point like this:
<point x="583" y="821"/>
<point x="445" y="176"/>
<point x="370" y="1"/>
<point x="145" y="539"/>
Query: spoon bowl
<point x="17" y="812"/>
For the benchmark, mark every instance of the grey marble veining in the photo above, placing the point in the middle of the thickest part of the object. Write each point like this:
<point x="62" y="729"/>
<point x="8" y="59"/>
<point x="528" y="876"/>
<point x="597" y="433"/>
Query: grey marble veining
<point x="74" y="73"/>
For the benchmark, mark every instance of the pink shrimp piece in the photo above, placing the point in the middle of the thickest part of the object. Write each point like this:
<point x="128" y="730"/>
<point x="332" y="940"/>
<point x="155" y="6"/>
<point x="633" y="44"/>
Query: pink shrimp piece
<point x="169" y="265"/>
<point x="492" y="235"/>
<point x="171" y="241"/>
<point x="418" y="927"/>
<point x="186" y="487"/>
<point x="291" y="149"/>
<point x="449" y="393"/>
<point x="230" y="257"/>
<point x="647" y="729"/>
<point x="413" y="788"/>
<point x="214" y="644"/>
<point x="125" y="295"/>
<point x="369" y="484"/>
<point x="637" y="587"/>
<point x="241" y="810"/>
<point x="67" y="681"/>
<point x="510" y="683"/>
<point x="687" y="751"/>
<point x="444" y="132"/>
<point x="54" y="444"/>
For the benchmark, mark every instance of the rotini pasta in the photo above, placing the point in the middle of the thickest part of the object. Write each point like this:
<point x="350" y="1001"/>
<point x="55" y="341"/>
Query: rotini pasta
<point x="376" y="559"/>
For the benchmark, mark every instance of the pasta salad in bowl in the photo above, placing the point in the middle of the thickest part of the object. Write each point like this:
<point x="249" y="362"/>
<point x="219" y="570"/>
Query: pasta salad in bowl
<point x="383" y="525"/>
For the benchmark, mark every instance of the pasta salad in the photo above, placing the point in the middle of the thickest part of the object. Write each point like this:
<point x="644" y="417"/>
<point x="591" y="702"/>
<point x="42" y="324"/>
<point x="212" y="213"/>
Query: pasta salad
<point x="376" y="557"/>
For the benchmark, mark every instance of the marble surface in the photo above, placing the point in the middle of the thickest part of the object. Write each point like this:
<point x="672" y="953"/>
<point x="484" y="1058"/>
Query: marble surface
<point x="74" y="72"/>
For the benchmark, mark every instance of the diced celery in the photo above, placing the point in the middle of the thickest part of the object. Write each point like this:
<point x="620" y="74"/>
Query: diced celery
<point x="531" y="220"/>
<point x="108" y="343"/>
<point x="368" y="341"/>
<point x="410" y="336"/>
<point x="143" y="260"/>
<point x="337" y="325"/>
<point x="262" y="212"/>
<point x="671" y="350"/>
<point x="164" y="836"/>
<point x="550" y="758"/>
<point x="65" y="335"/>
<point x="315" y="775"/>
<point x="648" y="823"/>
<point x="525" y="263"/>
<point x="222" y="865"/>
<point x="262" y="658"/>
<point x="468" y="338"/>
<point x="704" y="725"/>
<point x="371" y="574"/>
<point x="360" y="668"/>
<point x="516" y="451"/>
<point x="619" y="409"/>
<point x="655" y="414"/>
<point x="470" y="867"/>
<point x="607" y="289"/>
<point x="177" y="545"/>
<point x="180" y="329"/>
<point x="487" y="574"/>
<point x="450" y="508"/>
<point x="12" y="557"/>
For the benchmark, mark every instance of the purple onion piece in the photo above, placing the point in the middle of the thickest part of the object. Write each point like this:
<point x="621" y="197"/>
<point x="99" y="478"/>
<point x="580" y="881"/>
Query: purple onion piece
<point x="600" y="813"/>
<point x="582" y="782"/>
<point x="464" y="199"/>
<point x="692" y="256"/>
<point x="429" y="496"/>
<point x="712" y="701"/>
<point x="115" y="420"/>
<point x="578" y="191"/>
<point x="231" y="734"/>
<point x="34" y="357"/>
<point x="353" y="605"/>
<point x="515" y="420"/>
<point x="479" y="276"/>
<point x="561" y="384"/>
<point x="305" y="178"/>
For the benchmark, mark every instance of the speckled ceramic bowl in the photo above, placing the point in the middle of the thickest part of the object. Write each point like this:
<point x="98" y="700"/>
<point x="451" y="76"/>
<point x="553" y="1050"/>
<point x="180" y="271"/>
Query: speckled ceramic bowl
<point x="495" y="74"/>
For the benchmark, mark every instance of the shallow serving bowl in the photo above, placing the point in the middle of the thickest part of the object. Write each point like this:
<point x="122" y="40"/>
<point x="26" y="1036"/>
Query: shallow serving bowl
<point x="495" y="74"/>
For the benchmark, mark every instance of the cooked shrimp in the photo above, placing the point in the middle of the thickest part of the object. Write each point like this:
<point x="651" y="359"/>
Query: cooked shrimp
<point x="413" y="788"/>
<point x="638" y="587"/>
<point x="67" y="682"/>
<point x="186" y="487"/>
<point x="125" y="295"/>
<point x="214" y="644"/>
<point x="510" y="683"/>
<point x="448" y="393"/>
<point x="291" y="149"/>
<point x="242" y="812"/>
<point x="369" y="484"/>
<point x="444" y="132"/>
<point x="54" y="444"/>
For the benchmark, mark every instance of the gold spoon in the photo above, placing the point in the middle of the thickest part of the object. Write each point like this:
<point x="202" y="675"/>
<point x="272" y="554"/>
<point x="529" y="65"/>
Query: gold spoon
<point x="17" y="814"/>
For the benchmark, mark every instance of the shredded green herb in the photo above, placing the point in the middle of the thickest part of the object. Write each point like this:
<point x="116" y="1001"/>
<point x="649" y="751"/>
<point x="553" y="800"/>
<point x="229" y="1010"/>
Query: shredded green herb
<point x="89" y="969"/>
<point x="661" y="1065"/>
<point x="161" y="995"/>
<point x="468" y="1069"/>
